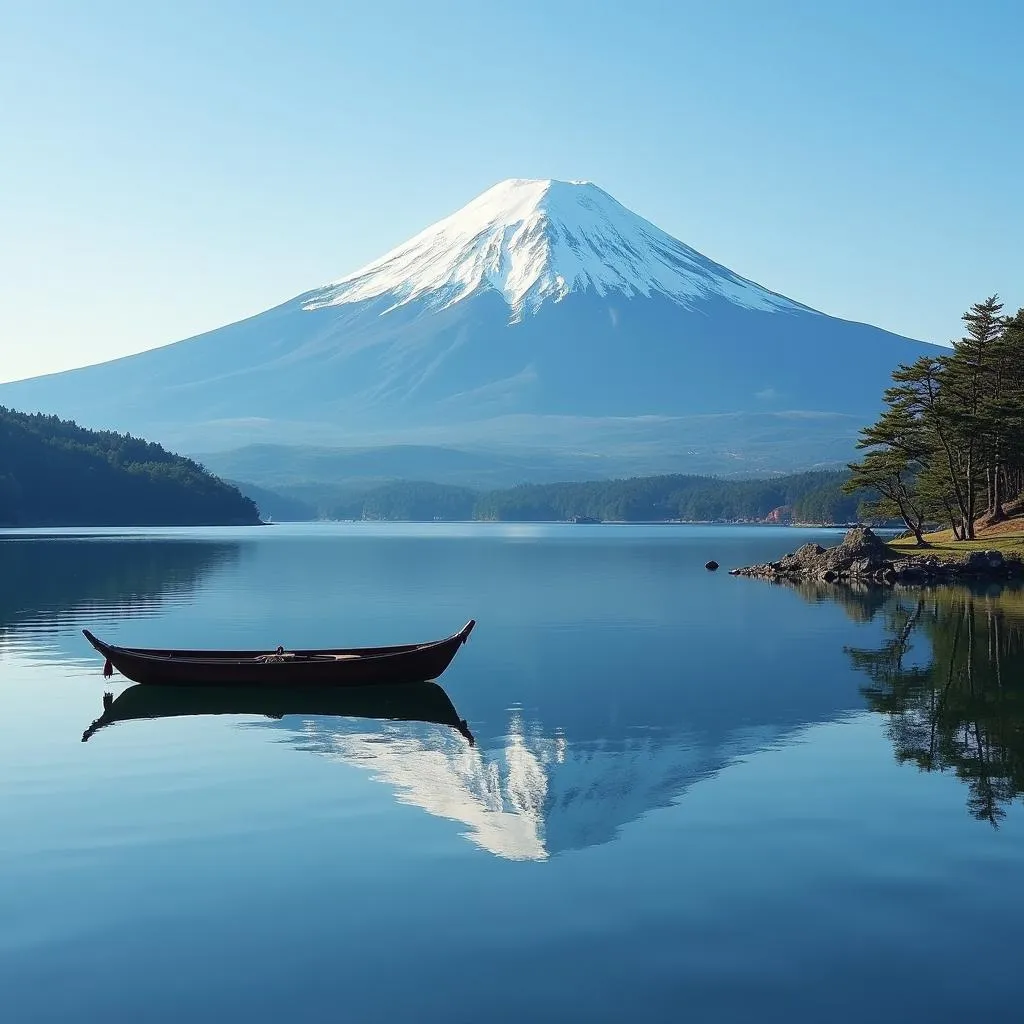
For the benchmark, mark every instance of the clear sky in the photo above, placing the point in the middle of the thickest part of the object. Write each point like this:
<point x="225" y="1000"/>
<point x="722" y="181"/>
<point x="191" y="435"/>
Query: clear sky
<point x="168" y="168"/>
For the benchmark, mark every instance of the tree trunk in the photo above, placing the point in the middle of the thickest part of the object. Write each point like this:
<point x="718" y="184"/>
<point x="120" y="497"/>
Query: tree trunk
<point x="918" y="528"/>
<point x="951" y="519"/>
<point x="997" y="494"/>
<point x="915" y="524"/>
<point x="952" y="466"/>
<point x="971" y="497"/>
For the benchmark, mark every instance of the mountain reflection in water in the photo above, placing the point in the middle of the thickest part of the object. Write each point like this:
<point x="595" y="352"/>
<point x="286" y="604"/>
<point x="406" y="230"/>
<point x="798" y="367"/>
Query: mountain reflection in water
<point x="949" y="678"/>
<point x="604" y="725"/>
<point x="529" y="794"/>
<point x="525" y="796"/>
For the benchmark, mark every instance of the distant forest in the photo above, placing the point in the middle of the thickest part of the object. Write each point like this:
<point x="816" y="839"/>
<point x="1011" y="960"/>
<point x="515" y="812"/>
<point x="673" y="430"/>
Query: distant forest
<point x="55" y="473"/>
<point x="812" y="497"/>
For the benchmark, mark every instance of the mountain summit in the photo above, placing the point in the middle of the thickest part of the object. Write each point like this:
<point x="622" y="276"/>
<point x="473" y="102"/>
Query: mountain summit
<point x="542" y="316"/>
<point x="534" y="240"/>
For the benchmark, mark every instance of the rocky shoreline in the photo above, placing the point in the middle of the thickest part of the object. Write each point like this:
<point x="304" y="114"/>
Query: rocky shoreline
<point x="864" y="557"/>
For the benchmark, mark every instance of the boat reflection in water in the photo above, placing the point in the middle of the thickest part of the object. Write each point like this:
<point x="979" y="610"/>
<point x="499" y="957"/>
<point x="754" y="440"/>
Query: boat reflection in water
<point x="408" y="702"/>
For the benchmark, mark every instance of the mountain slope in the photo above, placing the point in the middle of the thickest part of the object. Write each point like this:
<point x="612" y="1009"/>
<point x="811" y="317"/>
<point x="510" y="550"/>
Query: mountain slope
<point x="543" y="313"/>
<point x="535" y="240"/>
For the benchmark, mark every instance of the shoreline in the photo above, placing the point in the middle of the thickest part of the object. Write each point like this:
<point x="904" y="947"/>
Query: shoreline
<point x="863" y="557"/>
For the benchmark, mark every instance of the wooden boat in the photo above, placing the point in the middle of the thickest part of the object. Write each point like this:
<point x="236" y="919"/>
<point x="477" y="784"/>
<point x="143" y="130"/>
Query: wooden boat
<point x="407" y="702"/>
<point x="355" y="666"/>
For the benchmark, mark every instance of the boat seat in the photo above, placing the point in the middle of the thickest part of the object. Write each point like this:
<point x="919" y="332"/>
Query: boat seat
<point x="290" y="656"/>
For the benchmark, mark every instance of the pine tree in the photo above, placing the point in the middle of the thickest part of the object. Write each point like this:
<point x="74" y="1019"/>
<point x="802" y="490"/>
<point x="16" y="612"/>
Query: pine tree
<point x="892" y="479"/>
<point x="952" y="434"/>
<point x="897" y="447"/>
<point x="969" y="385"/>
<point x="1004" y="410"/>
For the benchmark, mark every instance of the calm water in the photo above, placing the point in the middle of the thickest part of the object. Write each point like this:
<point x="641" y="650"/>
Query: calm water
<point x="690" y="797"/>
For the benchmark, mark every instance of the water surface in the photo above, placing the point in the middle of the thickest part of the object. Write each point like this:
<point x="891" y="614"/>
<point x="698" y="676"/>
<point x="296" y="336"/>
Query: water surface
<point x="684" y="790"/>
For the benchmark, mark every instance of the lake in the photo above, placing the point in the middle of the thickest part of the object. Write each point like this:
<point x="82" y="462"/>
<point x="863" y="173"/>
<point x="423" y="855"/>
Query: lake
<point x="687" y="797"/>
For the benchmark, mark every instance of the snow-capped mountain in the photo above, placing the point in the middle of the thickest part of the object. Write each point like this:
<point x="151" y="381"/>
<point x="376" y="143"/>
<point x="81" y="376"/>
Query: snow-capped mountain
<point x="535" y="240"/>
<point x="542" y="315"/>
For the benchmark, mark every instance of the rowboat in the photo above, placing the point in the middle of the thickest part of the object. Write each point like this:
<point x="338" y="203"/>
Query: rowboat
<point x="407" y="702"/>
<point x="353" y="666"/>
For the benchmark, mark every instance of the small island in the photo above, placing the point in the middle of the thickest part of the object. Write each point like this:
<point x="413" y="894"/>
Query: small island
<point x="55" y="473"/>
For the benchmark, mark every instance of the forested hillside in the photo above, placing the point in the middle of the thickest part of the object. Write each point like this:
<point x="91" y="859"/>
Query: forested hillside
<point x="55" y="473"/>
<point x="807" y="497"/>
<point x="816" y="497"/>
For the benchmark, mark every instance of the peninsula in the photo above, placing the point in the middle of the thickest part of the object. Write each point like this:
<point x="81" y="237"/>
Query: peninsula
<point x="863" y="557"/>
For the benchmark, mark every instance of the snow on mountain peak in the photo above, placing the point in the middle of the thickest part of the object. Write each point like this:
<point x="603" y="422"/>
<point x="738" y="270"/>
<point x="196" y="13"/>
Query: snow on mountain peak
<point x="534" y="240"/>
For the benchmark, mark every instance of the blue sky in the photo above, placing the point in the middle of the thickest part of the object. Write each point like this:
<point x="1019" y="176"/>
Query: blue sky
<point x="166" y="169"/>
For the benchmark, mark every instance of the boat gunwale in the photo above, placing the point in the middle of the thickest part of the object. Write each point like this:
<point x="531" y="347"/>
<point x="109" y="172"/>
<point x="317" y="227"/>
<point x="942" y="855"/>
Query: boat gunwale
<point x="163" y="656"/>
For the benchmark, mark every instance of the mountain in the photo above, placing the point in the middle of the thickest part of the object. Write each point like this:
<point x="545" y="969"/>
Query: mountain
<point x="542" y="315"/>
<point x="278" y="466"/>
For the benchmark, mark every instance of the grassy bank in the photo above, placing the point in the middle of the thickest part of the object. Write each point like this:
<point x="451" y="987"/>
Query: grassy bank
<point x="945" y="545"/>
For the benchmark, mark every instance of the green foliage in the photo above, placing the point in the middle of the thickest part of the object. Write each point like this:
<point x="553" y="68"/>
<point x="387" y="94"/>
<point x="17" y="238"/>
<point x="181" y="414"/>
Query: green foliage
<point x="950" y="444"/>
<point x="55" y="473"/>
<point x="829" y="503"/>
<point x="409" y="501"/>
<point x="812" y="497"/>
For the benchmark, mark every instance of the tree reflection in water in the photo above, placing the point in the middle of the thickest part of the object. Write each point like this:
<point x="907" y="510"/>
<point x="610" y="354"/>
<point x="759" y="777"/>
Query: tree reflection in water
<point x="955" y="702"/>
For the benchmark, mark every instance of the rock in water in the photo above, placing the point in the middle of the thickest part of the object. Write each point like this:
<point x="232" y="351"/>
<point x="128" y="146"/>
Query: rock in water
<point x="711" y="566"/>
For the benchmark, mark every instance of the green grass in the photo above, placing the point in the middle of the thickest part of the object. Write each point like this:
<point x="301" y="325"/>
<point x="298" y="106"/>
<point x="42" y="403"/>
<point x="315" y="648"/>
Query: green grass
<point x="944" y="545"/>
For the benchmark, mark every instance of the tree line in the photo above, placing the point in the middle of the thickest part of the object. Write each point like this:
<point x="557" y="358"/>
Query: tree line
<point x="55" y="473"/>
<point x="809" y="497"/>
<point x="948" y="449"/>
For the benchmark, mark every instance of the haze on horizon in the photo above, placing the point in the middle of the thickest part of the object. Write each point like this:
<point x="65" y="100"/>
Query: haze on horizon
<point x="172" y="171"/>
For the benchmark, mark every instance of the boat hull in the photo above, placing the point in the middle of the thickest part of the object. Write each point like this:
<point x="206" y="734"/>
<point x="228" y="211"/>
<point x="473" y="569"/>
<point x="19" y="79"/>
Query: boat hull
<point x="371" y="666"/>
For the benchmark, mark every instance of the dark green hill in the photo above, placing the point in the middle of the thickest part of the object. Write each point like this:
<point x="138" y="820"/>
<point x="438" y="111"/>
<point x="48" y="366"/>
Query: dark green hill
<point x="55" y="473"/>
